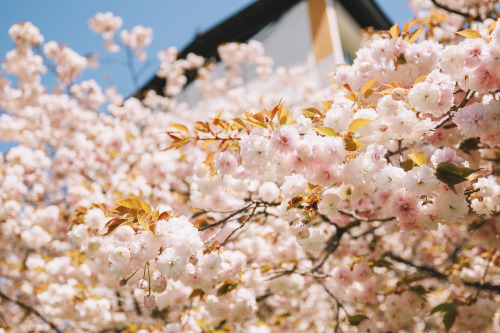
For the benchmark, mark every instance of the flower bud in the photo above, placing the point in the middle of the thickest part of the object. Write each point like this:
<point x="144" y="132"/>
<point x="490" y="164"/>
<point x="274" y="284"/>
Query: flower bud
<point x="123" y="282"/>
<point x="149" y="301"/>
<point x="304" y="150"/>
<point x="193" y="260"/>
<point x="159" y="285"/>
<point x="398" y="94"/>
<point x="142" y="284"/>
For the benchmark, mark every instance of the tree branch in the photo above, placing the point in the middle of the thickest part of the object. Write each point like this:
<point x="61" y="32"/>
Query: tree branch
<point x="334" y="241"/>
<point x="453" y="11"/>
<point x="441" y="276"/>
<point x="242" y="224"/>
<point x="224" y="220"/>
<point x="31" y="310"/>
<point x="337" y="303"/>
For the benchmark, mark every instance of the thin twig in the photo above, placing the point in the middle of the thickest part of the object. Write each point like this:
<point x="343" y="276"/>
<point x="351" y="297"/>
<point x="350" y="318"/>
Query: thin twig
<point x="483" y="279"/>
<point x="355" y="216"/>
<point x="454" y="11"/>
<point x="400" y="152"/>
<point x="334" y="241"/>
<point x="224" y="220"/>
<point x="465" y="100"/>
<point x="241" y="226"/>
<point x="441" y="276"/>
<point x="31" y="310"/>
<point x="337" y="303"/>
<point x="131" y="67"/>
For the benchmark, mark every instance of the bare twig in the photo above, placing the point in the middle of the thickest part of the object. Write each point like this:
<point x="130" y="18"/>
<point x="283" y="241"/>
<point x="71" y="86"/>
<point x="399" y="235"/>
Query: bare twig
<point x="224" y="220"/>
<point x="483" y="279"/>
<point x="400" y="152"/>
<point x="131" y="67"/>
<point x="465" y="100"/>
<point x="337" y="303"/>
<point x="242" y="224"/>
<point x="31" y="310"/>
<point x="454" y="11"/>
<point x="355" y="216"/>
<point x="441" y="276"/>
<point x="334" y="241"/>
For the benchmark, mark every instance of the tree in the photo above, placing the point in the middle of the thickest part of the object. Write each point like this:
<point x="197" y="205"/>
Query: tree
<point x="368" y="205"/>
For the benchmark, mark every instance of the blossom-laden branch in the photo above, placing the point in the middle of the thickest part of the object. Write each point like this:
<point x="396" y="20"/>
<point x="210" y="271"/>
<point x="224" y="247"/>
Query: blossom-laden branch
<point x="260" y="207"/>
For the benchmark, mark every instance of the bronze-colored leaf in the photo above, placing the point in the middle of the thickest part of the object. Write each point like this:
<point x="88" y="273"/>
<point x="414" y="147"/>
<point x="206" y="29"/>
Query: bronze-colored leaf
<point x="180" y="127"/>
<point x="112" y="225"/>
<point x="469" y="33"/>
<point x="141" y="215"/>
<point x="134" y="203"/>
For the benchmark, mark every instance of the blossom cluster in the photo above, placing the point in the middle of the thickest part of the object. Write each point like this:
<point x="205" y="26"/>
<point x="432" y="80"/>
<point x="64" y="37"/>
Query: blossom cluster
<point x="369" y="205"/>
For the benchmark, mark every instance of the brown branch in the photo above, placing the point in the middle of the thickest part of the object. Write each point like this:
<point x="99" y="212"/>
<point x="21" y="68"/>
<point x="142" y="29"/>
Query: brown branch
<point x="217" y="138"/>
<point x="441" y="276"/>
<point x="31" y="310"/>
<point x="334" y="241"/>
<point x="242" y="224"/>
<point x="355" y="216"/>
<point x="454" y="108"/>
<point x="392" y="153"/>
<point x="400" y="152"/>
<point x="224" y="220"/>
<point x="485" y="273"/>
<point x="337" y="303"/>
<point x="454" y="11"/>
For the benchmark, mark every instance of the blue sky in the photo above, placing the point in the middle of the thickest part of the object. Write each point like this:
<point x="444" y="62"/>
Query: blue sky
<point x="174" y="22"/>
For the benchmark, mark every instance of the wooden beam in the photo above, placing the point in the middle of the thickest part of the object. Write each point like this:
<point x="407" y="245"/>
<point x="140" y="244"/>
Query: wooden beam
<point x="320" y="28"/>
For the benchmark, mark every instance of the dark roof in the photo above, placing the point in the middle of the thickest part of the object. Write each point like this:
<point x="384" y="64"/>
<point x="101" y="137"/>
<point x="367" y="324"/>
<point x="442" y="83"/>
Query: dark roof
<point x="250" y="20"/>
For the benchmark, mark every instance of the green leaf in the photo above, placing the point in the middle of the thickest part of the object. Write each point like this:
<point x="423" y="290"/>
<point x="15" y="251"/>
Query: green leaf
<point x="469" y="144"/>
<point x="410" y="279"/>
<point x="476" y="225"/>
<point x="420" y="291"/>
<point x="449" y="311"/>
<point x="197" y="293"/>
<point x="452" y="175"/>
<point x="380" y="263"/>
<point x="449" y="319"/>
<point x="328" y="131"/>
<point x="355" y="320"/>
<point x="444" y="307"/>
<point x="226" y="287"/>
